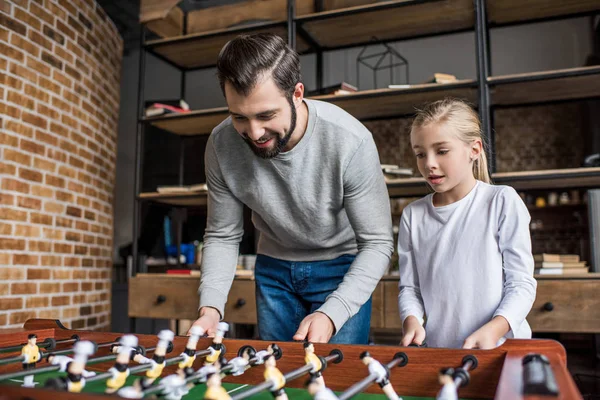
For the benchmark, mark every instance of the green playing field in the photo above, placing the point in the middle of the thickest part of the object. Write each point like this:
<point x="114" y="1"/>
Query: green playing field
<point x="197" y="392"/>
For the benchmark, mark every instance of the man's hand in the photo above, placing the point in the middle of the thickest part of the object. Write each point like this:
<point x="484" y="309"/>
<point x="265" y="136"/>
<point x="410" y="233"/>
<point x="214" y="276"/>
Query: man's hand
<point x="316" y="327"/>
<point x="413" y="331"/>
<point x="208" y="320"/>
<point x="487" y="336"/>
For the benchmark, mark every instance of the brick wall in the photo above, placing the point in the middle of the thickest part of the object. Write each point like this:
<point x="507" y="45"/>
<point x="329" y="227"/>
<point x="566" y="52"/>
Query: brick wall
<point x="60" y="64"/>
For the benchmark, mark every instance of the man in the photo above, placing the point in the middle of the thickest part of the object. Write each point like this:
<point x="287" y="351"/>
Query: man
<point x="311" y="175"/>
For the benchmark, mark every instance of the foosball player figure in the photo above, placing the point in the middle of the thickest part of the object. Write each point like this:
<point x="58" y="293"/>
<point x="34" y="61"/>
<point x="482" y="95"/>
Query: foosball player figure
<point x="260" y="356"/>
<point x="274" y="375"/>
<point x="448" y="390"/>
<point x="310" y="358"/>
<point x="120" y="371"/>
<point x="216" y="346"/>
<point x="136" y="354"/>
<point x="214" y="388"/>
<point x="74" y="382"/>
<point x="382" y="374"/>
<point x="189" y="354"/>
<point x="240" y="364"/>
<point x="31" y="355"/>
<point x="174" y="386"/>
<point x="63" y="363"/>
<point x="158" y="359"/>
<point x="318" y="390"/>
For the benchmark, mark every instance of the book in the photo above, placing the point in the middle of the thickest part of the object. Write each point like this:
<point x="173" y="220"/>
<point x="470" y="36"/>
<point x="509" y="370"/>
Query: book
<point x="439" y="77"/>
<point x="546" y="257"/>
<point x="396" y="171"/>
<point x="548" y="264"/>
<point x="340" y="88"/>
<point x="561" y="271"/>
<point x="199" y="187"/>
<point x="161" y="107"/>
<point x="569" y="258"/>
<point x="192" y="272"/>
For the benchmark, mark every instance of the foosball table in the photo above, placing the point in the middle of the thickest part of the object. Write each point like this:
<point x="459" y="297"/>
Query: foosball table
<point x="519" y="369"/>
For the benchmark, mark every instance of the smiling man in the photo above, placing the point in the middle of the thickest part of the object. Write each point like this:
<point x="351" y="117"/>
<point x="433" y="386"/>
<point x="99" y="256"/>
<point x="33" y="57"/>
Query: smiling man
<point x="311" y="175"/>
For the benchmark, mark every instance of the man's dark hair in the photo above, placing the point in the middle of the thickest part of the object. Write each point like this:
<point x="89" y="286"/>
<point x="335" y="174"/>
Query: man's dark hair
<point x="243" y="60"/>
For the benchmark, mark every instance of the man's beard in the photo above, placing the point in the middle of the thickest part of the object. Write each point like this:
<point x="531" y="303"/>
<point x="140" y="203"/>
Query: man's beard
<point x="281" y="142"/>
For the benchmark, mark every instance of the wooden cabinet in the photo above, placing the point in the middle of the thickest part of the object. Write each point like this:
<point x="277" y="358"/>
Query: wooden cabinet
<point x="561" y="305"/>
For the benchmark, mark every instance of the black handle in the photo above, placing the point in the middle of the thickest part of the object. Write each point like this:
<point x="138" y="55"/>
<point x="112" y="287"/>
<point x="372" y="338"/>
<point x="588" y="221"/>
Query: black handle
<point x="161" y="299"/>
<point x="240" y="303"/>
<point x="548" y="306"/>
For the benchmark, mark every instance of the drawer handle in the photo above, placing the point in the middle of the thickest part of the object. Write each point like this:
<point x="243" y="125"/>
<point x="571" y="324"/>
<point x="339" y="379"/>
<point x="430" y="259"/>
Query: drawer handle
<point x="240" y="303"/>
<point x="548" y="306"/>
<point x="161" y="299"/>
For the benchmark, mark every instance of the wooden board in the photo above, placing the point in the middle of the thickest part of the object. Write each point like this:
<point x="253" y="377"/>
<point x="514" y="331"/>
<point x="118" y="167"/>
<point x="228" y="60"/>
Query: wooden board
<point x="202" y="50"/>
<point x="407" y="19"/>
<point x="507" y="11"/>
<point x="575" y="302"/>
<point x="151" y="10"/>
<point x="200" y="122"/>
<point x="550" y="179"/>
<point x="230" y="15"/>
<point x="169" y="26"/>
<point x="545" y="86"/>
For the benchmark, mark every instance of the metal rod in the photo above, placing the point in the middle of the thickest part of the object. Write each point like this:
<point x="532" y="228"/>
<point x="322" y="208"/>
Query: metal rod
<point x="291" y="23"/>
<point x="483" y="72"/>
<point x="42" y="345"/>
<point x="366" y="382"/>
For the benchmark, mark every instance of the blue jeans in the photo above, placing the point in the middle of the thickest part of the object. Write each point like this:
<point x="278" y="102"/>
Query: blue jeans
<point x="287" y="291"/>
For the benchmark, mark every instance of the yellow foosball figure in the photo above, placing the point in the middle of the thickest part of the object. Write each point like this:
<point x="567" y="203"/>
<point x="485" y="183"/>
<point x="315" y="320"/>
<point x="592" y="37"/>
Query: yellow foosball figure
<point x="158" y="359"/>
<point x="310" y="358"/>
<point x="74" y="382"/>
<point x="120" y="371"/>
<point x="189" y="354"/>
<point x="31" y="355"/>
<point x="214" y="389"/>
<point x="216" y="348"/>
<point x="273" y="374"/>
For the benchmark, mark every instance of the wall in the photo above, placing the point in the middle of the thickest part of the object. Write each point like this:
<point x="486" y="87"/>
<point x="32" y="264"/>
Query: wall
<point x="60" y="67"/>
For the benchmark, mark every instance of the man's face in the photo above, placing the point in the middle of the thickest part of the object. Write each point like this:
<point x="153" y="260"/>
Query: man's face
<point x="265" y="118"/>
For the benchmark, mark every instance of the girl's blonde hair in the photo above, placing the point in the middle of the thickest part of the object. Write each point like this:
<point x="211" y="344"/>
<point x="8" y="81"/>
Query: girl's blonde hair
<point x="460" y="116"/>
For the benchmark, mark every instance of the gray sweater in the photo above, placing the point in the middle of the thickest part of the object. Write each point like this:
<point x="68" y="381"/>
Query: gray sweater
<point x="324" y="198"/>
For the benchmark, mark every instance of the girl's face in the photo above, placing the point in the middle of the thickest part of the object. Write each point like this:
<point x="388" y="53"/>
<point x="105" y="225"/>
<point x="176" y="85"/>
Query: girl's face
<point x="445" y="161"/>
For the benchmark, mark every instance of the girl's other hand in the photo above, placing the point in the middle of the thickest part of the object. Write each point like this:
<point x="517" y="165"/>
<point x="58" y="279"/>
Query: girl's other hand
<point x="413" y="331"/>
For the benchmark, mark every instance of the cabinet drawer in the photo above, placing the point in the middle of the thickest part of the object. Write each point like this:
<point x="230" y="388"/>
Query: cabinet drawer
<point x="176" y="297"/>
<point x="566" y="305"/>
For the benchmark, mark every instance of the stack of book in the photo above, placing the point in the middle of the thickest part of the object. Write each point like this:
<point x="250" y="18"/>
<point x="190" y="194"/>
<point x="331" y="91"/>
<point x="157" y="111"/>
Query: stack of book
<point x="559" y="264"/>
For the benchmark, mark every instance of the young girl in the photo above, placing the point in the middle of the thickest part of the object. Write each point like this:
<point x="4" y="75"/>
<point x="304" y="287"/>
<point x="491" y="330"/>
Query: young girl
<point x="466" y="268"/>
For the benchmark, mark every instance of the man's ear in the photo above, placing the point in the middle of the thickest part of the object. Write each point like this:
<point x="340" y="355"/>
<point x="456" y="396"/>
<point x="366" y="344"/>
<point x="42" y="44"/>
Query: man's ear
<point x="298" y="94"/>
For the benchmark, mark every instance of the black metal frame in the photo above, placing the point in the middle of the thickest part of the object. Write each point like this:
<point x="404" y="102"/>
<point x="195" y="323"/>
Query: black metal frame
<point x="295" y="25"/>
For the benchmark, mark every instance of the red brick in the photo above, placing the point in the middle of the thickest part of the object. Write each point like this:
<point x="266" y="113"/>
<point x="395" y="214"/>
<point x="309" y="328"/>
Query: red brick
<point x="54" y="208"/>
<point x="7" y="199"/>
<point x="72" y="262"/>
<point x="19" y="318"/>
<point x="30" y="175"/>
<point x="11" y="273"/>
<point x="51" y="113"/>
<point x="38" y="273"/>
<point x="42" y="191"/>
<point x="55" y="181"/>
<point x="13" y="215"/>
<point x="9" y="140"/>
<point x="61" y="274"/>
<point x="53" y="35"/>
<point x="64" y="196"/>
<point x="82" y="226"/>
<point x="81" y="250"/>
<point x="15" y="303"/>
<point x="60" y="104"/>
<point x="52" y="313"/>
<point x="74" y="211"/>
<point x="49" y="85"/>
<point x="53" y="234"/>
<point x="37" y="302"/>
<point x="68" y="147"/>
<point x="67" y="172"/>
<point x="43" y="219"/>
<point x="12" y="244"/>
<point x="11" y="52"/>
<point x="57" y="155"/>
<point x="27" y="230"/>
<point x="61" y="301"/>
<point x="79" y="298"/>
<point x="4" y="289"/>
<point x="14" y="185"/>
<point x="46" y="138"/>
<point x="75" y="162"/>
<point x="17" y="156"/>
<point x="52" y="287"/>
<point x="35" y="120"/>
<point x="39" y="246"/>
<point x="13" y="24"/>
<point x="70" y="287"/>
<point x="83" y="202"/>
<point x="23" y="288"/>
<point x="56" y="63"/>
<point x="7" y="169"/>
<point x="11" y="81"/>
<point x="73" y="236"/>
<point x="64" y="222"/>
<point x="9" y="110"/>
<point x="23" y="72"/>
<point x="80" y="274"/>
<point x="63" y="248"/>
<point x="50" y="261"/>
<point x="5" y="229"/>
<point x="41" y="13"/>
<point x="62" y="78"/>
<point x="21" y="100"/>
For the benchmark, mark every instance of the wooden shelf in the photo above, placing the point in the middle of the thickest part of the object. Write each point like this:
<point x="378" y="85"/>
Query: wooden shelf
<point x="201" y="50"/>
<point x="183" y="199"/>
<point x="550" y="179"/>
<point x="389" y="20"/>
<point x="536" y="87"/>
<point x="502" y="12"/>
<point x="390" y="102"/>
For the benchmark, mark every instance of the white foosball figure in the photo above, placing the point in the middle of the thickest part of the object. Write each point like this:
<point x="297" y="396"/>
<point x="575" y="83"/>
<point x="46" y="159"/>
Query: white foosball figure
<point x="240" y="364"/>
<point x="174" y="386"/>
<point x="381" y="373"/>
<point x="261" y="355"/>
<point x="449" y="390"/>
<point x="63" y="361"/>
<point x="319" y="391"/>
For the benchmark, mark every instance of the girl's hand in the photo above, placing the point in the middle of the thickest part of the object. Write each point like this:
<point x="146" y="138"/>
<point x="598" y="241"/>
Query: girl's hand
<point x="487" y="336"/>
<point x="413" y="332"/>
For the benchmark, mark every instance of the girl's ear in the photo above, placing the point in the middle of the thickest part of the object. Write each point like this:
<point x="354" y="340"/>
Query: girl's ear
<point x="476" y="149"/>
